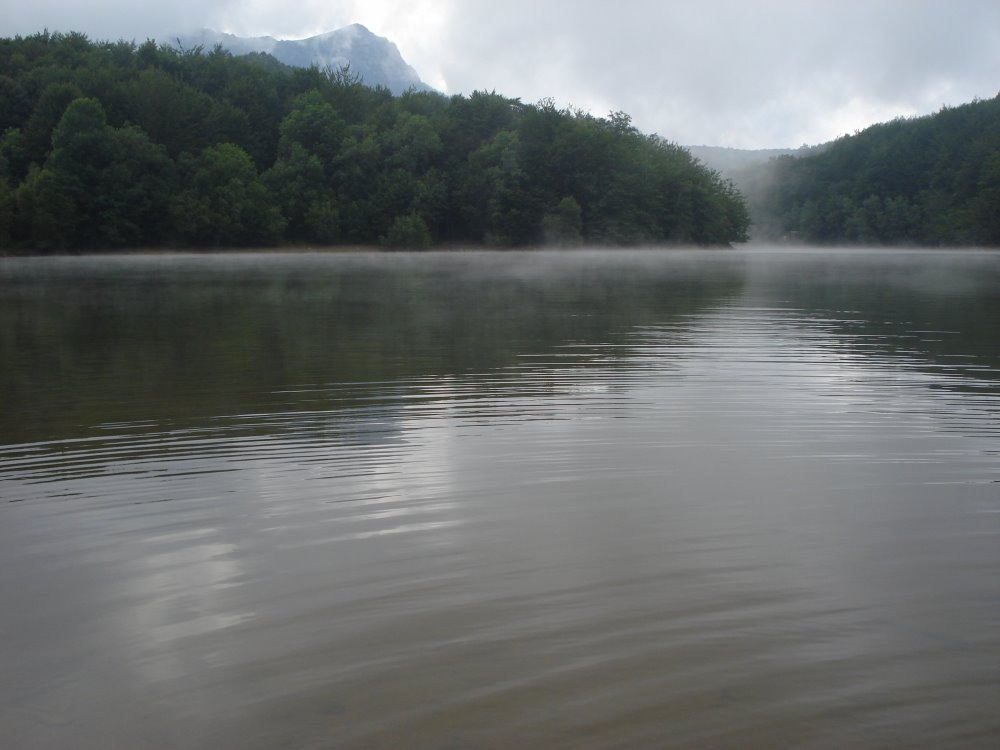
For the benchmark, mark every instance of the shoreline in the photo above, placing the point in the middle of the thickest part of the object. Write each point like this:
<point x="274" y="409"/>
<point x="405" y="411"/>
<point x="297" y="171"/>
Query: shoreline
<point x="457" y="249"/>
<point x="360" y="249"/>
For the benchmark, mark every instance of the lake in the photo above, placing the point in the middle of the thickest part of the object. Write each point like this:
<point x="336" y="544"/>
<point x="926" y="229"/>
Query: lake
<point x="697" y="499"/>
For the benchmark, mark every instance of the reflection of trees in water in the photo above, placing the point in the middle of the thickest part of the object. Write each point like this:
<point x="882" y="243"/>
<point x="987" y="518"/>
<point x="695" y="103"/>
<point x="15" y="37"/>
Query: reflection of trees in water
<point x="90" y="342"/>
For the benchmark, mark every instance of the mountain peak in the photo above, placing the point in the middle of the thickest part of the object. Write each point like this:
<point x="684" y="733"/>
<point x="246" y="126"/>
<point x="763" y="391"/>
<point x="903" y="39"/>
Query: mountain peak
<point x="374" y="58"/>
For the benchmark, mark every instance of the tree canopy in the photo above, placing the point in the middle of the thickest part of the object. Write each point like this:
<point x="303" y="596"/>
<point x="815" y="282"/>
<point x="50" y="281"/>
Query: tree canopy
<point x="114" y="145"/>
<point x="931" y="180"/>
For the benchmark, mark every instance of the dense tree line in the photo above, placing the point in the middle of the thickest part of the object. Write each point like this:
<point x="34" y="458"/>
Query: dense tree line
<point x="111" y="145"/>
<point x="931" y="180"/>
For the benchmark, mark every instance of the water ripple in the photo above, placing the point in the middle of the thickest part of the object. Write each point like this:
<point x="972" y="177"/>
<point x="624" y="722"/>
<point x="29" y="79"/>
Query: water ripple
<point x="765" y="517"/>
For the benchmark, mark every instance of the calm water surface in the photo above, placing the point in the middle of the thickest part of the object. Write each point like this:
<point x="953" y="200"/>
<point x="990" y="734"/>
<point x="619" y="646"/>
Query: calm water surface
<point x="725" y="499"/>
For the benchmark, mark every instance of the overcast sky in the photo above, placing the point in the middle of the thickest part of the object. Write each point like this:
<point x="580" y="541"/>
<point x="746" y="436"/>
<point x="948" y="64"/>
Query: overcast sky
<point x="743" y="73"/>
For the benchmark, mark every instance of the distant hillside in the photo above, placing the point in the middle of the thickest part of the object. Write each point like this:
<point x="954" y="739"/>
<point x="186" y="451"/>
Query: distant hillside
<point x="374" y="58"/>
<point x="752" y="172"/>
<point x="931" y="180"/>
<point x="729" y="161"/>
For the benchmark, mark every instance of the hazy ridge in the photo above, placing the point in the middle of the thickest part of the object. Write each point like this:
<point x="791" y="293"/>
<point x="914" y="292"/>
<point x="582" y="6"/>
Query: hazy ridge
<point x="374" y="59"/>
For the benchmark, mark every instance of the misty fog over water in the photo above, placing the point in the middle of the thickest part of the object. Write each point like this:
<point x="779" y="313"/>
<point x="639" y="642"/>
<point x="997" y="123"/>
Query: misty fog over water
<point x="546" y="499"/>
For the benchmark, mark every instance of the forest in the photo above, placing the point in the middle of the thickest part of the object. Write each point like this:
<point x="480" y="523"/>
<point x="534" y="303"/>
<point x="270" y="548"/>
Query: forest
<point x="110" y="145"/>
<point x="929" y="181"/>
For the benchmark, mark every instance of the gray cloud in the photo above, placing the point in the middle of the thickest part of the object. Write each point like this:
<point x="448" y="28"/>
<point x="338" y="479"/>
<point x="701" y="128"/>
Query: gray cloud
<point x="737" y="73"/>
<point x="105" y="19"/>
<point x="725" y="72"/>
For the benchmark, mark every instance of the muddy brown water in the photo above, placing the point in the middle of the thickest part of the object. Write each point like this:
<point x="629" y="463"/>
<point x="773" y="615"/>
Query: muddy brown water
<point x="692" y="499"/>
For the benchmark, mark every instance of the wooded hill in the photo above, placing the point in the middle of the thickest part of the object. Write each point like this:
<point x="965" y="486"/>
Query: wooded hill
<point x="931" y="180"/>
<point x="118" y="145"/>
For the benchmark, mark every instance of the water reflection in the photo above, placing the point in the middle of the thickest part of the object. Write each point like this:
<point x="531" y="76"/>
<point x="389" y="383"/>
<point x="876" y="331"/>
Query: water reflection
<point x="692" y="499"/>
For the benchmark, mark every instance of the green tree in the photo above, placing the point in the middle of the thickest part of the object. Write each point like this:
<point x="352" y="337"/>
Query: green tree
<point x="172" y="112"/>
<point x="924" y="180"/>
<point x="564" y="225"/>
<point x="225" y="203"/>
<point x="407" y="232"/>
<point x="298" y="185"/>
<point x="985" y="207"/>
<point x="47" y="113"/>
<point x="45" y="215"/>
<point x="314" y="125"/>
<point x="115" y="182"/>
<point x="211" y="149"/>
<point x="6" y="206"/>
<point x="411" y="144"/>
